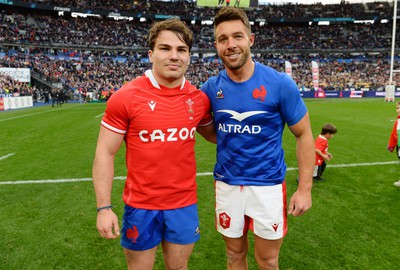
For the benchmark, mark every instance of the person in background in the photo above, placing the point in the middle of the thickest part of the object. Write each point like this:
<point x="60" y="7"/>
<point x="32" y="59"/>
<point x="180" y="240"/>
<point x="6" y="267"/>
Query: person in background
<point x="321" y="150"/>
<point x="251" y="104"/>
<point x="157" y="116"/>
<point x="54" y="97"/>
<point x="394" y="138"/>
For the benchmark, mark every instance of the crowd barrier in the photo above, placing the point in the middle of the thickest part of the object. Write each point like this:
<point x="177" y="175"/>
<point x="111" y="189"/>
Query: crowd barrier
<point x="9" y="103"/>
<point x="345" y="94"/>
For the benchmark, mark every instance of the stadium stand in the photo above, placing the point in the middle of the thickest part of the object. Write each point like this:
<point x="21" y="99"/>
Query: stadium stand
<point x="95" y="54"/>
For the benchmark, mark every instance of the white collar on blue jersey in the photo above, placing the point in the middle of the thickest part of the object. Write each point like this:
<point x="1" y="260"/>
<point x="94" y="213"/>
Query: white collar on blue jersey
<point x="149" y="74"/>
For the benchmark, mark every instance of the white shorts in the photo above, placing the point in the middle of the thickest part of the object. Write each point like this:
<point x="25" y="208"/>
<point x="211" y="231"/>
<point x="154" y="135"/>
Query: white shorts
<point x="261" y="209"/>
<point x="315" y="173"/>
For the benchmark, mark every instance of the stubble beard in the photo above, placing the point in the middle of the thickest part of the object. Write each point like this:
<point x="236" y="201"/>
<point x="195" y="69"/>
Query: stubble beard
<point x="239" y="65"/>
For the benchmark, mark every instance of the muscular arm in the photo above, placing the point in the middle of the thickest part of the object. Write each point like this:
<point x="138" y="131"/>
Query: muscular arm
<point x="208" y="132"/>
<point x="301" y="200"/>
<point x="103" y="174"/>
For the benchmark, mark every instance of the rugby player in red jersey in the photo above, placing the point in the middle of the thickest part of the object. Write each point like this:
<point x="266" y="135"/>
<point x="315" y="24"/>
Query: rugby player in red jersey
<point x="157" y="116"/>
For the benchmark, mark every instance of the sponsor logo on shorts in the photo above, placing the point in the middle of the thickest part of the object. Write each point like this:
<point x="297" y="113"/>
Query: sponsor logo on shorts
<point x="132" y="234"/>
<point x="224" y="220"/>
<point x="197" y="230"/>
<point x="275" y="226"/>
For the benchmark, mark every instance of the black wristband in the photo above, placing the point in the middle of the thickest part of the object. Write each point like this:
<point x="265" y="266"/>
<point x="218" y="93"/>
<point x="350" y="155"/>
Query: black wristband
<point x="105" y="207"/>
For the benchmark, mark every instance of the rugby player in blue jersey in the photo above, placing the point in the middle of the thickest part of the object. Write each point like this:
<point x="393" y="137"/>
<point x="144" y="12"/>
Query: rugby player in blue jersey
<point x="252" y="104"/>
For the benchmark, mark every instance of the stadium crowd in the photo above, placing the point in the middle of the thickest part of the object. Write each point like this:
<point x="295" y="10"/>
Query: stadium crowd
<point x="42" y="30"/>
<point x="180" y="7"/>
<point x="93" y="55"/>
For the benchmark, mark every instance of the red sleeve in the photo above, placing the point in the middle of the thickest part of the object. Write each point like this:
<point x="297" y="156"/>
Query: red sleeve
<point x="117" y="115"/>
<point x="321" y="144"/>
<point x="393" y="136"/>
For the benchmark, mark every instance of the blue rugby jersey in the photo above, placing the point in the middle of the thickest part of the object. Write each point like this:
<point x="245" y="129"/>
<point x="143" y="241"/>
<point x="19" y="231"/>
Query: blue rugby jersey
<point x="250" y="117"/>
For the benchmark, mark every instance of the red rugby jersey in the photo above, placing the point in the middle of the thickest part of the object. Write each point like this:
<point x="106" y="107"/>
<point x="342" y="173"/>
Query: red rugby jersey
<point x="321" y="143"/>
<point x="159" y="125"/>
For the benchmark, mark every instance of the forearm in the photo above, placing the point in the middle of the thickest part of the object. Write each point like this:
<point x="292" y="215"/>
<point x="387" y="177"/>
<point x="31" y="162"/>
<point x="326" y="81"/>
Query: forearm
<point x="103" y="175"/>
<point x="208" y="133"/>
<point x="306" y="160"/>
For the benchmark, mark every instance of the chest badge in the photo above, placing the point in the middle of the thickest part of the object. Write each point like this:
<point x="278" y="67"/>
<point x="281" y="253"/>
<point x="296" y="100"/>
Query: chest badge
<point x="189" y="106"/>
<point x="260" y="93"/>
<point x="219" y="94"/>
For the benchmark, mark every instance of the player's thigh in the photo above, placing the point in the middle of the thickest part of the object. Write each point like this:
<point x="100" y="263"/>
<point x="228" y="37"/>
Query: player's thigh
<point x="267" y="250"/>
<point x="236" y="246"/>
<point x="229" y="210"/>
<point x="266" y="208"/>
<point x="181" y="225"/>
<point x="176" y="256"/>
<point x="140" y="260"/>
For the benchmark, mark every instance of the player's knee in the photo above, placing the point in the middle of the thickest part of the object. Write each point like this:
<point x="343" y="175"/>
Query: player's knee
<point x="270" y="263"/>
<point x="236" y="255"/>
<point x="176" y="265"/>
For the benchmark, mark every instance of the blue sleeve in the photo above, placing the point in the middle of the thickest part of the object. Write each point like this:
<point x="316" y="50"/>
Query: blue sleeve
<point x="293" y="108"/>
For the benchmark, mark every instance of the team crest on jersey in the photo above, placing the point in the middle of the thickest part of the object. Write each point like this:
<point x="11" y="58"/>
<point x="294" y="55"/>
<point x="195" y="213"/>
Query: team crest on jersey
<point x="189" y="104"/>
<point x="219" y="94"/>
<point x="260" y="93"/>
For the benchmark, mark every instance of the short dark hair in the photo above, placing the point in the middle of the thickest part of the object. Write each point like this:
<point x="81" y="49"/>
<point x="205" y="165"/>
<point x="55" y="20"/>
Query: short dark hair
<point x="329" y="128"/>
<point x="175" y="25"/>
<point x="230" y="14"/>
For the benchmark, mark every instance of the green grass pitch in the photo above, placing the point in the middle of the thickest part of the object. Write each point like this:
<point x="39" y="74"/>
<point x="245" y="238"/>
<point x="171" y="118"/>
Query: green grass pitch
<point x="353" y="224"/>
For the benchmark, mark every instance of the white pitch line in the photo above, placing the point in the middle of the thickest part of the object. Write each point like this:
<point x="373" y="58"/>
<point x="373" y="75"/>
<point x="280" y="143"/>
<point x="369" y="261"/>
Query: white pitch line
<point x="6" y="156"/>
<point x="355" y="165"/>
<point x="97" y="116"/>
<point x="52" y="181"/>
<point x="73" y="180"/>
<point x="30" y="114"/>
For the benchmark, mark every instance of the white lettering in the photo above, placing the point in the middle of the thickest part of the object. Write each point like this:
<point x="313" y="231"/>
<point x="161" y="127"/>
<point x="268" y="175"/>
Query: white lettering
<point x="193" y="132"/>
<point x="141" y="135"/>
<point x="171" y="135"/>
<point x="229" y="128"/>
<point x="157" y="135"/>
<point x="62" y="9"/>
<point x="246" y="129"/>
<point x="172" y="132"/>
<point x="184" y="133"/>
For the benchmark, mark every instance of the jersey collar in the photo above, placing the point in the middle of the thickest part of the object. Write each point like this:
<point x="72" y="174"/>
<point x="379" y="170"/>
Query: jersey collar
<point x="150" y="76"/>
